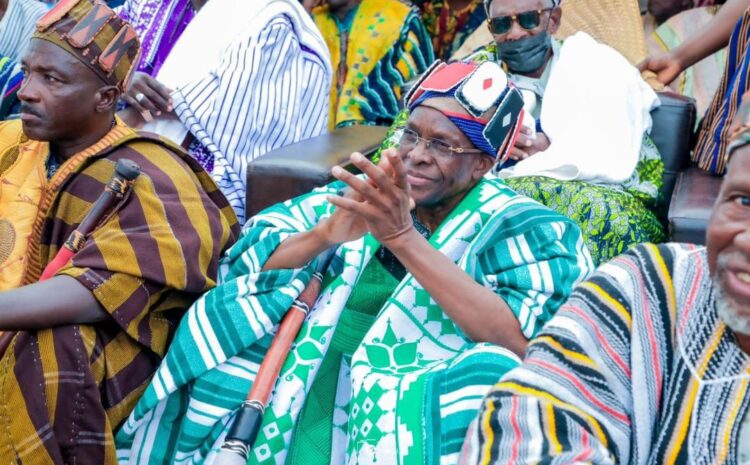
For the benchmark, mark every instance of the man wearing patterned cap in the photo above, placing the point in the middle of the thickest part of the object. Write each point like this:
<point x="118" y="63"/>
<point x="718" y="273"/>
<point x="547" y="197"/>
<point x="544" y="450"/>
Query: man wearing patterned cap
<point x="647" y="363"/>
<point x="89" y="338"/>
<point x="439" y="278"/>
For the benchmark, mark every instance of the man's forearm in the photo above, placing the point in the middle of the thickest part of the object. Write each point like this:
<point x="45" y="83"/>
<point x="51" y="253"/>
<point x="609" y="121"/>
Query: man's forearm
<point x="480" y="313"/>
<point x="297" y="251"/>
<point x="713" y="36"/>
<point x="56" y="302"/>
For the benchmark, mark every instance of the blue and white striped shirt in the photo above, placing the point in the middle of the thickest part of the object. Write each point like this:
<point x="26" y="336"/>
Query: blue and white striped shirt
<point x="268" y="90"/>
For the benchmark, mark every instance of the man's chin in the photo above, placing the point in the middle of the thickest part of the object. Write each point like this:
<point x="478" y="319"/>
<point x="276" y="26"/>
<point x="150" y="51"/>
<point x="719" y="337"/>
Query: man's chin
<point x="34" y="131"/>
<point x="734" y="313"/>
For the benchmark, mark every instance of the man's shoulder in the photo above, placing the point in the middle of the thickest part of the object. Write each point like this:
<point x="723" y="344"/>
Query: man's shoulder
<point x="667" y="269"/>
<point x="159" y="158"/>
<point x="670" y="258"/>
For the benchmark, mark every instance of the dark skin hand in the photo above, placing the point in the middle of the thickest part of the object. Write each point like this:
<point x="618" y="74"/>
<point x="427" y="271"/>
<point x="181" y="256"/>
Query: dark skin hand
<point x="381" y="205"/>
<point x="711" y="38"/>
<point x="156" y="96"/>
<point x="309" y="5"/>
<point x="526" y="145"/>
<point x="31" y="307"/>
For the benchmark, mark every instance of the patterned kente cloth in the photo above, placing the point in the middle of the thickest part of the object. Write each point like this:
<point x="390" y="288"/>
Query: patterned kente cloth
<point x="383" y="47"/>
<point x="713" y="139"/>
<point x="448" y="28"/>
<point x="613" y="218"/>
<point x="411" y="386"/>
<point x="64" y="390"/>
<point x="637" y="368"/>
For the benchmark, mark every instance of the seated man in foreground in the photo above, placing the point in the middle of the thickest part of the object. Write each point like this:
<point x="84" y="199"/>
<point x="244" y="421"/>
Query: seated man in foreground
<point x="648" y="361"/>
<point x="90" y="338"/>
<point x="419" y="309"/>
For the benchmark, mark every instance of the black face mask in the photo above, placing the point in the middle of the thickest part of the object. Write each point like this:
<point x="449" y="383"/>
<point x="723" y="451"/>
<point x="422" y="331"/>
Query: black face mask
<point x="526" y="55"/>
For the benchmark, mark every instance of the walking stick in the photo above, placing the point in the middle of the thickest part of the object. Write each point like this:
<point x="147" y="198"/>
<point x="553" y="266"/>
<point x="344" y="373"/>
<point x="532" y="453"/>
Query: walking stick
<point x="241" y="436"/>
<point x="118" y="186"/>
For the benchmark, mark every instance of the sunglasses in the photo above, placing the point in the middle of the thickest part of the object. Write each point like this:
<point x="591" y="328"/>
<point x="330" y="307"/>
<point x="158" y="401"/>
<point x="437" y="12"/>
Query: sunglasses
<point x="528" y="20"/>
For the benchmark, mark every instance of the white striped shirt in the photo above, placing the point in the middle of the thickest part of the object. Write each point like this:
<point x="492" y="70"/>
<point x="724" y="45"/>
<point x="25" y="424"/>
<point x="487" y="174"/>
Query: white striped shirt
<point x="17" y="26"/>
<point x="269" y="89"/>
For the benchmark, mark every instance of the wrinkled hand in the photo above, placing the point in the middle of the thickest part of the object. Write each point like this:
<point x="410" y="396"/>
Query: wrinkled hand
<point x="309" y="5"/>
<point x="343" y="225"/>
<point x="383" y="199"/>
<point x="528" y="145"/>
<point x="665" y="66"/>
<point x="156" y="96"/>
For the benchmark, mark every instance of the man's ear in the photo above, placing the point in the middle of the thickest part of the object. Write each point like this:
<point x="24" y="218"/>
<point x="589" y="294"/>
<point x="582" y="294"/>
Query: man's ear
<point x="483" y="165"/>
<point x="555" y="16"/>
<point x="107" y="98"/>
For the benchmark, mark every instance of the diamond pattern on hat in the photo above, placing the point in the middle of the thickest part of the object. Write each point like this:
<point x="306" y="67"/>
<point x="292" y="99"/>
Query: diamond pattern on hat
<point x="483" y="89"/>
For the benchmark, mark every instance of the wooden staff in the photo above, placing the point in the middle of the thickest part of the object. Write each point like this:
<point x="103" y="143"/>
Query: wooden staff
<point x="118" y="186"/>
<point x="244" y="430"/>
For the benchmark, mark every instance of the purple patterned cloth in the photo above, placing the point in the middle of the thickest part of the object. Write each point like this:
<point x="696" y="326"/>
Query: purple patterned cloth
<point x="158" y="23"/>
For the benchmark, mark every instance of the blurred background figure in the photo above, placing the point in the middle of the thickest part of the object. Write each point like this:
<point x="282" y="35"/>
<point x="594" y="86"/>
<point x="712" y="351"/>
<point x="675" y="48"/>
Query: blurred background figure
<point x="376" y="46"/>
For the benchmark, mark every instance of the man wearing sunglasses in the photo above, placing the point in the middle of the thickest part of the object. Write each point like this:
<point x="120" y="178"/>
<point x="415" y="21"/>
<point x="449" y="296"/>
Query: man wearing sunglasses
<point x="523" y="33"/>
<point x="584" y="149"/>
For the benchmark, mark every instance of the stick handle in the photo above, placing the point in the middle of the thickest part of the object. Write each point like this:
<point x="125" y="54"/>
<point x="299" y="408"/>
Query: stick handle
<point x="118" y="186"/>
<point x="244" y="430"/>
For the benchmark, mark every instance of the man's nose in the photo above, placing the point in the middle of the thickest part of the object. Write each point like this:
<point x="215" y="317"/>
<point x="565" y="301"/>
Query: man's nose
<point x="27" y="91"/>
<point x="419" y="154"/>
<point x="516" y="32"/>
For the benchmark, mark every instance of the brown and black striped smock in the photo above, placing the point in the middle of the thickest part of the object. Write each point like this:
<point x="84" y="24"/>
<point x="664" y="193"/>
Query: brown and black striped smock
<point x="64" y="390"/>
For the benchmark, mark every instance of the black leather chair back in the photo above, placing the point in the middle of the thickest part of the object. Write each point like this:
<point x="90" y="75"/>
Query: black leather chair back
<point x="672" y="133"/>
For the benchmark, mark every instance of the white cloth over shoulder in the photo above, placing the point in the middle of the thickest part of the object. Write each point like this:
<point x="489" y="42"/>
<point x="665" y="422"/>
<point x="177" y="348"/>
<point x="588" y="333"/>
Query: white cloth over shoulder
<point x="595" y="111"/>
<point x="248" y="76"/>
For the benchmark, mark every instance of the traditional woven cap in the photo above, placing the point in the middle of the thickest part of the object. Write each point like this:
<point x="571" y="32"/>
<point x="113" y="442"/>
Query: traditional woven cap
<point x="482" y="103"/>
<point x="93" y="33"/>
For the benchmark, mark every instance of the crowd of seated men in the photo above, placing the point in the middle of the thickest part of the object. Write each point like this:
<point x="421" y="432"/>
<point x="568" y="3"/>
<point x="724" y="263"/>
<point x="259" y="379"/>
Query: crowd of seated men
<point x="496" y="285"/>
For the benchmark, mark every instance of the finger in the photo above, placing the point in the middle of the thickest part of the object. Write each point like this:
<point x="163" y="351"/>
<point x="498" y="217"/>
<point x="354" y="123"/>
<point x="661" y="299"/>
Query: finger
<point x="518" y="154"/>
<point x="523" y="141"/>
<point x="643" y="66"/>
<point x="399" y="170"/>
<point x="132" y="102"/>
<point x="375" y="174"/>
<point x="352" y="206"/>
<point x="359" y="185"/>
<point x="151" y="101"/>
<point x="164" y="93"/>
<point x="385" y="163"/>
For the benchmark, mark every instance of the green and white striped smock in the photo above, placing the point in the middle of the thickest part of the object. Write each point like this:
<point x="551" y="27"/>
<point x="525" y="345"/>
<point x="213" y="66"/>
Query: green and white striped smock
<point x="415" y="381"/>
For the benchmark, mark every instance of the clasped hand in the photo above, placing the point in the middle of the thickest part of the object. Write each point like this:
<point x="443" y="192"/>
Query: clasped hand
<point x="380" y="204"/>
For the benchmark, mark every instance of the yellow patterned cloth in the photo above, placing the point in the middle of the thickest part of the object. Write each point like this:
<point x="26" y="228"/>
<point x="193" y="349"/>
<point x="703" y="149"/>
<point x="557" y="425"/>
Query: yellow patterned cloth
<point x="63" y="390"/>
<point x="22" y="184"/>
<point x="383" y="47"/>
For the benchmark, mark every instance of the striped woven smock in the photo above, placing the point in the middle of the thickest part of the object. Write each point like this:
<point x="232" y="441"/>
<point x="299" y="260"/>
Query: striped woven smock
<point x="637" y="368"/>
<point x="63" y="390"/>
